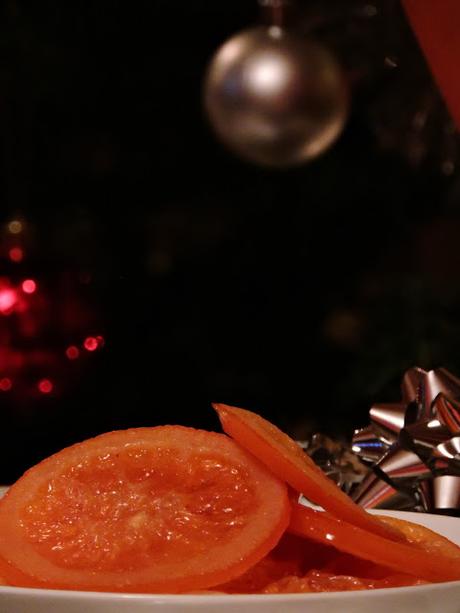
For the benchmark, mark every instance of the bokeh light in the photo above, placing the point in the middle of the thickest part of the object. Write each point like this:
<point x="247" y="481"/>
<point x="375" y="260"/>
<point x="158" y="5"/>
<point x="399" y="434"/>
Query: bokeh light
<point x="29" y="286"/>
<point x="15" y="226"/>
<point x="8" y="299"/>
<point x="5" y="384"/>
<point x="72" y="352"/>
<point x="16" y="254"/>
<point x="91" y="343"/>
<point x="45" y="386"/>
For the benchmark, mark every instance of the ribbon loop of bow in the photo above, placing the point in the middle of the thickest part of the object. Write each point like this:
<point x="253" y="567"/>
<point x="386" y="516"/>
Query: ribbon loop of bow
<point x="413" y="446"/>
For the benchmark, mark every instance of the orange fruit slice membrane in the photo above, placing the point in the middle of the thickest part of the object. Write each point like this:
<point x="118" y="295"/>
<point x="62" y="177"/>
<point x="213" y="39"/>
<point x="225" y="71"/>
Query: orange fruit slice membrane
<point x="164" y="509"/>
<point x="402" y="558"/>
<point x="288" y="461"/>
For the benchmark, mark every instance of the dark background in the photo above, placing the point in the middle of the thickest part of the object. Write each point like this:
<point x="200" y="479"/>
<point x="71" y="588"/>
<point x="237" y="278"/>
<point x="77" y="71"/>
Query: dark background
<point x="303" y="294"/>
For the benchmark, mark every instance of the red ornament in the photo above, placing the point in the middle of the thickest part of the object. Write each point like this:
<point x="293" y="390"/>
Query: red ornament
<point x="437" y="24"/>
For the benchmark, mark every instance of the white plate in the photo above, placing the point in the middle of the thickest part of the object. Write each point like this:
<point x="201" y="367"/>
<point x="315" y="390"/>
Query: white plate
<point x="434" y="598"/>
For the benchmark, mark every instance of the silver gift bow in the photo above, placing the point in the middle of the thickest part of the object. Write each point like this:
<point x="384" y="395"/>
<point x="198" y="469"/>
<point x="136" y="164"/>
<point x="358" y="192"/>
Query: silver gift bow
<point x="413" y="446"/>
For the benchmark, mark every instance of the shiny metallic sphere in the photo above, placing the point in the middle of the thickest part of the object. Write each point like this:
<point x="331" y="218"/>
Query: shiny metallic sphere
<point x="274" y="98"/>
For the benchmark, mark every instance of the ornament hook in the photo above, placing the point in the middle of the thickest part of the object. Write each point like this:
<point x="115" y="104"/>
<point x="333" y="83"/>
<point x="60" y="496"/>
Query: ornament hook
<point x="275" y="9"/>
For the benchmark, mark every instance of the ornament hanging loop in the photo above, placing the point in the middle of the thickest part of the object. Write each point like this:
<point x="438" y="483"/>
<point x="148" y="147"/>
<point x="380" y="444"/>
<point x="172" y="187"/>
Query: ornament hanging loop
<point x="275" y="10"/>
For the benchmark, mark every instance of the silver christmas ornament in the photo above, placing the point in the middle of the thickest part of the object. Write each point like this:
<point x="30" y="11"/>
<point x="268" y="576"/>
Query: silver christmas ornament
<point x="274" y="98"/>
